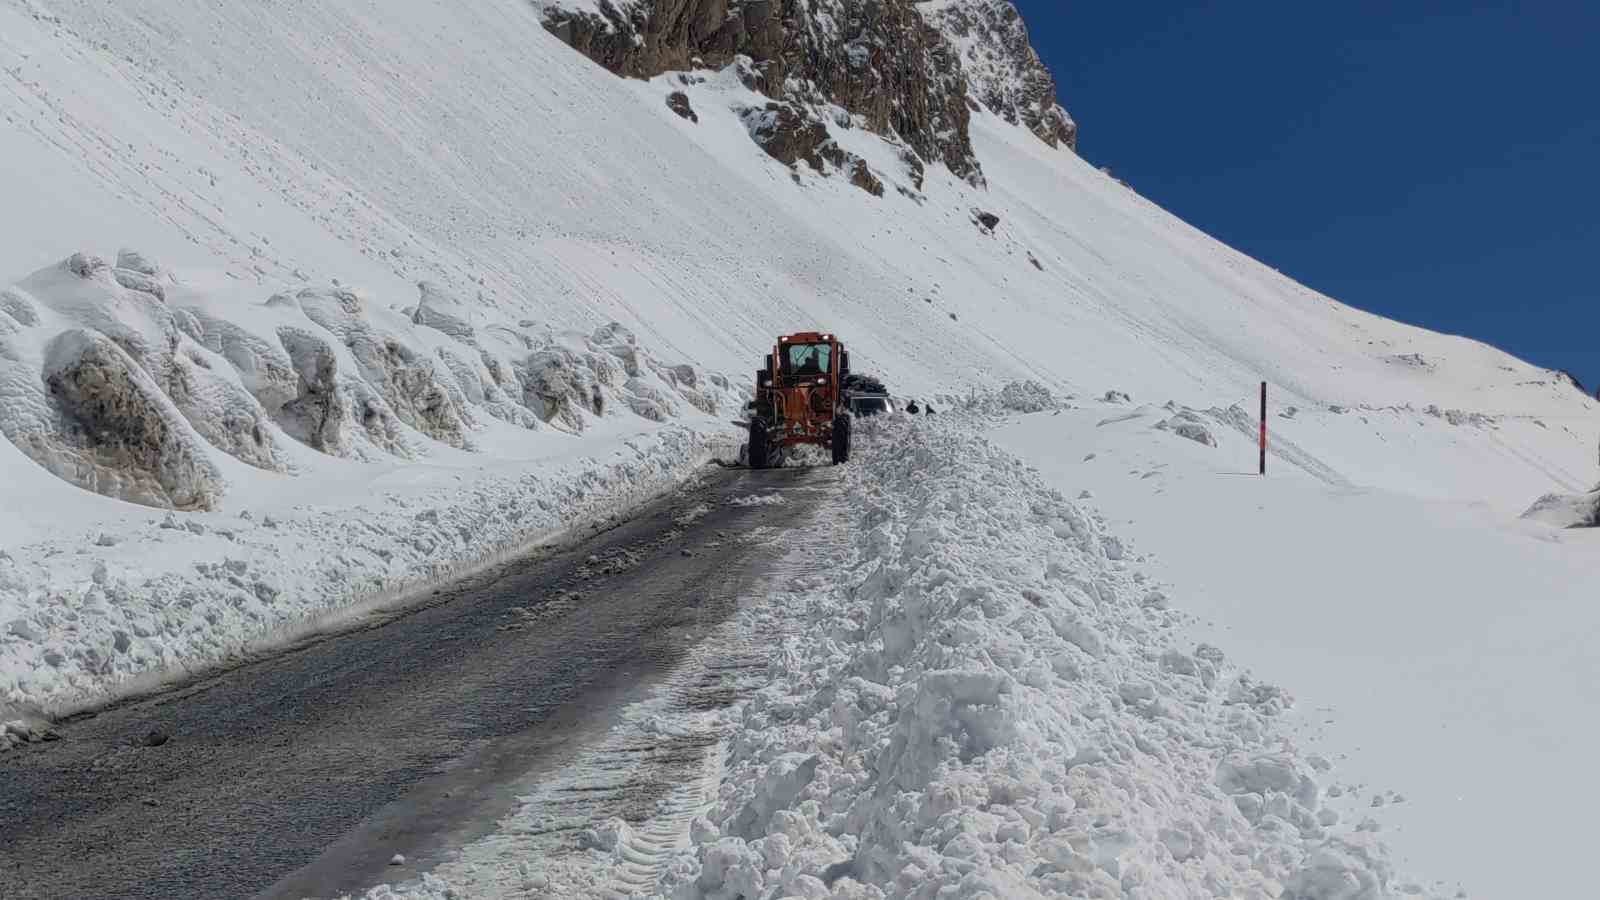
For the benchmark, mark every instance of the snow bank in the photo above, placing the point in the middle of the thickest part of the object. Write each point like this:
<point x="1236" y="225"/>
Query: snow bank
<point x="280" y="423"/>
<point x="992" y="701"/>
<point x="131" y="383"/>
<point x="1026" y="397"/>
<point x="87" y="616"/>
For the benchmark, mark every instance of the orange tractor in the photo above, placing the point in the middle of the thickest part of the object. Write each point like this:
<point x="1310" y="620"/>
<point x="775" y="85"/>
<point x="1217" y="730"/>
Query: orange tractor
<point x="798" y="398"/>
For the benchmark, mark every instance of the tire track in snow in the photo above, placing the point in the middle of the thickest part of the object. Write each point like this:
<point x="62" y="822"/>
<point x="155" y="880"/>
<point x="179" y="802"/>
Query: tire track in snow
<point x="643" y="852"/>
<point x="608" y="824"/>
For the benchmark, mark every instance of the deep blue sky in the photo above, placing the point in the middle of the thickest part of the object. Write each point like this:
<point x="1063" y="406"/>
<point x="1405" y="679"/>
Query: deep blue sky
<point x="1437" y="163"/>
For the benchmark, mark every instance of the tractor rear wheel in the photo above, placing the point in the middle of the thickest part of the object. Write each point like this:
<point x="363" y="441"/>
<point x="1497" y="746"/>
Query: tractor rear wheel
<point x="759" y="452"/>
<point x="841" y="439"/>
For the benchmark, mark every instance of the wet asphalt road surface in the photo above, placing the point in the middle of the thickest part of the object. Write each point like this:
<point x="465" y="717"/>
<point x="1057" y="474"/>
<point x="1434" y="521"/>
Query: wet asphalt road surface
<point x="303" y="774"/>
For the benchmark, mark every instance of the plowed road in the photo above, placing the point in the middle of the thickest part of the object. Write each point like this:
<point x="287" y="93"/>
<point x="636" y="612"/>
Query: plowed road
<point x="305" y="773"/>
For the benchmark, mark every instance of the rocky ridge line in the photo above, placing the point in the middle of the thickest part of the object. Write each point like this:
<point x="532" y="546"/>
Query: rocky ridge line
<point x="911" y="72"/>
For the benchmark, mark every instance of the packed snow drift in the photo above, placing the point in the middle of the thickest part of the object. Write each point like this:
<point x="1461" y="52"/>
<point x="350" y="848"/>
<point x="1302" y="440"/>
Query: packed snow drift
<point x="995" y="701"/>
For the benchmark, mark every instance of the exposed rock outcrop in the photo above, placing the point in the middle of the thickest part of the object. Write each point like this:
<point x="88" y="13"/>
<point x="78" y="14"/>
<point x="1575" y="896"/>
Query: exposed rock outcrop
<point x="678" y="102"/>
<point x="877" y="59"/>
<point x="791" y="135"/>
<point x="787" y="133"/>
<point x="914" y="168"/>
<point x="861" y="176"/>
<point x="1003" y="71"/>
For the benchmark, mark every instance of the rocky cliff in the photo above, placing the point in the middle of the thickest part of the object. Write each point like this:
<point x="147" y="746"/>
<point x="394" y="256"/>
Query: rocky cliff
<point x="911" y="72"/>
<point x="1003" y="71"/>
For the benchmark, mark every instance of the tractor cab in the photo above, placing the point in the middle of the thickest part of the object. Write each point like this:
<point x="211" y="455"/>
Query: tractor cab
<point x="798" y="360"/>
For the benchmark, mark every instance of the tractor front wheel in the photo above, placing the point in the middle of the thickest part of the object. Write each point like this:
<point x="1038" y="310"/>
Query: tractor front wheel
<point x="759" y="453"/>
<point x="841" y="439"/>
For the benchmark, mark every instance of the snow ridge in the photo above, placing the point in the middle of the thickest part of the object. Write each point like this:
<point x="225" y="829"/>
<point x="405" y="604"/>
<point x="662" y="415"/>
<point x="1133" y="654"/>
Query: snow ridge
<point x="877" y="63"/>
<point x="994" y="701"/>
<point x="149" y="385"/>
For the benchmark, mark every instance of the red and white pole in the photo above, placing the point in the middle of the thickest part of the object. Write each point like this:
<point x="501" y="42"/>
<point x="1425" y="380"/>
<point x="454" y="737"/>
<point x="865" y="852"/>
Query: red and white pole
<point x="1263" y="428"/>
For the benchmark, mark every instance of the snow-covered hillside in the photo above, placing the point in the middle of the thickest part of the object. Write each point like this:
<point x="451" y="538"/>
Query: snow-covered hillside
<point x="287" y="175"/>
<point x="454" y="143"/>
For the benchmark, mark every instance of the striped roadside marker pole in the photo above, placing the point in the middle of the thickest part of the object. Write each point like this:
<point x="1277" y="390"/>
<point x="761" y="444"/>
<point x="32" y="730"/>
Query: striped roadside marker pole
<point x="1263" y="428"/>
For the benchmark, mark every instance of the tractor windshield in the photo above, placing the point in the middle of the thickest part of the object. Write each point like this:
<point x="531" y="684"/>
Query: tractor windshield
<point x="800" y="360"/>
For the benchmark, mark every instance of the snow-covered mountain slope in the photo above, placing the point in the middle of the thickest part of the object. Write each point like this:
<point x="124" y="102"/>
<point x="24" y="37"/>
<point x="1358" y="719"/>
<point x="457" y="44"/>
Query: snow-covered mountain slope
<point x="463" y="142"/>
<point x="340" y="154"/>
